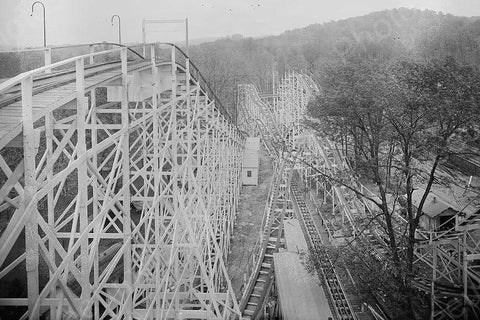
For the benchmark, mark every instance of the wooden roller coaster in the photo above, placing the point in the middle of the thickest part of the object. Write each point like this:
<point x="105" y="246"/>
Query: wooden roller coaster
<point x="451" y="256"/>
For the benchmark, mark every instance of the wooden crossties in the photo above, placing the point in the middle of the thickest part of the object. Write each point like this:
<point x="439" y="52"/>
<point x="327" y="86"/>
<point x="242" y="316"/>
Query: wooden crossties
<point x="278" y="133"/>
<point x="126" y="207"/>
<point x="450" y="256"/>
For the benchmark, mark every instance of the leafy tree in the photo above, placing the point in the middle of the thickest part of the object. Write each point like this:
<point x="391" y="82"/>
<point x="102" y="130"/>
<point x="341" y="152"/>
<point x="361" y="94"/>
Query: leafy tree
<point x="401" y="118"/>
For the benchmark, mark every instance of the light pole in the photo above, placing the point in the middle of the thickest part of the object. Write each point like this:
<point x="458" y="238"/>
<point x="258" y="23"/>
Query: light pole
<point x="119" y="28"/>
<point x="44" y="28"/>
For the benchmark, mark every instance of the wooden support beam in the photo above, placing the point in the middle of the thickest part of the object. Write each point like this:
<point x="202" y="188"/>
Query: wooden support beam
<point x="127" y="257"/>
<point x="29" y="200"/>
<point x="172" y="158"/>
<point x="81" y="149"/>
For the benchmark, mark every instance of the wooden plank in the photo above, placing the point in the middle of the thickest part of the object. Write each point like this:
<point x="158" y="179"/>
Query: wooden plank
<point x="17" y="106"/>
<point x="3" y="132"/>
<point x="54" y="97"/>
<point x="12" y="180"/>
<point x="4" y="120"/>
<point x="15" y="112"/>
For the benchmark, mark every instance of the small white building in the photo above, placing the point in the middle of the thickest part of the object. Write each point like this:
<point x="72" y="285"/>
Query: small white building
<point x="251" y="162"/>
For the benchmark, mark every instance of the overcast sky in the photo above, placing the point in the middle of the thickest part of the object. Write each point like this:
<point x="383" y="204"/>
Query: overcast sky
<point x="83" y="21"/>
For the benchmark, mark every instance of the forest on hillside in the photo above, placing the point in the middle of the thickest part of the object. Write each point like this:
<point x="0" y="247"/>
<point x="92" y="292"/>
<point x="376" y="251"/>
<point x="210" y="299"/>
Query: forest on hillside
<point x="400" y="93"/>
<point x="380" y="36"/>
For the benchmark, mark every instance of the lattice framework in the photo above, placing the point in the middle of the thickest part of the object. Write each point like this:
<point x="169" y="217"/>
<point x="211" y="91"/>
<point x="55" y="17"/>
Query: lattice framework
<point x="128" y="204"/>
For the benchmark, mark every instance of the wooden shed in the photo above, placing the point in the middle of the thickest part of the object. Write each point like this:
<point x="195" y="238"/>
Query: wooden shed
<point x="438" y="212"/>
<point x="250" y="164"/>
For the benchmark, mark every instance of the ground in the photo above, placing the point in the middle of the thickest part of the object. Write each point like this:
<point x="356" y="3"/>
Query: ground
<point x="247" y="225"/>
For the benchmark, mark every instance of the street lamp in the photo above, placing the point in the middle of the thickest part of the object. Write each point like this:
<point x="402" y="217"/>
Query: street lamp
<point x="44" y="28"/>
<point x="119" y="28"/>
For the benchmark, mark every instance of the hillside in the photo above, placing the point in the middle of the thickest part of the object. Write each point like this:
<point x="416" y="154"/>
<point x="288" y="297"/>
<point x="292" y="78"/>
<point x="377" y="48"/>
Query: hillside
<point x="384" y="35"/>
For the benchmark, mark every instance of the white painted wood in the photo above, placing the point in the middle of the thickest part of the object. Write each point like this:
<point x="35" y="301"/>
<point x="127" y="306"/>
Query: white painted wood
<point x="174" y="159"/>
<point x="29" y="200"/>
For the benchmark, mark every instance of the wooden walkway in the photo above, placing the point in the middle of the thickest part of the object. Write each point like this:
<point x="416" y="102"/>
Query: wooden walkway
<point x="50" y="93"/>
<point x="300" y="292"/>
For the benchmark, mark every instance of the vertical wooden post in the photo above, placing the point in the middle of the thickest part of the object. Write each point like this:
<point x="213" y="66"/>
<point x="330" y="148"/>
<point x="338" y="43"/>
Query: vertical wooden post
<point x="48" y="58"/>
<point x="95" y="206"/>
<point x="158" y="175"/>
<point x="175" y="164"/>
<point x="91" y="50"/>
<point x="31" y="226"/>
<point x="127" y="257"/>
<point x="432" y="293"/>
<point x="465" y="276"/>
<point x="50" y="195"/>
<point x="82" y="183"/>
<point x="152" y="55"/>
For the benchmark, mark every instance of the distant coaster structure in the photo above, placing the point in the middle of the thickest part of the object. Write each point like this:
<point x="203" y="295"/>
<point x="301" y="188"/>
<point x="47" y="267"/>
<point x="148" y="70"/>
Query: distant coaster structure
<point x="449" y="260"/>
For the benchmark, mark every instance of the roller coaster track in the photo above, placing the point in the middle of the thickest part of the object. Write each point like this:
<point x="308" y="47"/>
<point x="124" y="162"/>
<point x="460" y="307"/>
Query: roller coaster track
<point x="446" y="257"/>
<point x="449" y="259"/>
<point x="279" y="131"/>
<point x="118" y="183"/>
<point x="264" y="122"/>
<point x="261" y="279"/>
<point x="332" y="284"/>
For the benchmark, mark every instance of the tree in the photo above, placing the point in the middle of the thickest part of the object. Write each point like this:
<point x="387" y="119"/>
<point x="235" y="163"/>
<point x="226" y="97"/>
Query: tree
<point x="397" y="116"/>
<point x="431" y="105"/>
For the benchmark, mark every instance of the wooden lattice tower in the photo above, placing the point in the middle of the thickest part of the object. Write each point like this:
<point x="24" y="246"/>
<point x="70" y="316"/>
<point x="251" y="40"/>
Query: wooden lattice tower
<point x="450" y="258"/>
<point x="125" y="186"/>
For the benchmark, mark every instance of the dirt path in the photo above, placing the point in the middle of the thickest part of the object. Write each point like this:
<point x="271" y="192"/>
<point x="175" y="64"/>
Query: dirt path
<point x="247" y="226"/>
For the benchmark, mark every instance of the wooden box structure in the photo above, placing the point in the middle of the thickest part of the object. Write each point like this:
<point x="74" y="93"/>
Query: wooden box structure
<point x="251" y="162"/>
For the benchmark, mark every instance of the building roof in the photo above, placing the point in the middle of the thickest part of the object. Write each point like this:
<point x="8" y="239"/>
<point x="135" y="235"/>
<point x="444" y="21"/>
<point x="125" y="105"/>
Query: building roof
<point x="252" y="144"/>
<point x="434" y="204"/>
<point x="250" y="159"/>
<point x="250" y="155"/>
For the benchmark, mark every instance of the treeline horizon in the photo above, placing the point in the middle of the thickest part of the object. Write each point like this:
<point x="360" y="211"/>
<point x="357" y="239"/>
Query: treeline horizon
<point x="397" y="34"/>
<point x="399" y="90"/>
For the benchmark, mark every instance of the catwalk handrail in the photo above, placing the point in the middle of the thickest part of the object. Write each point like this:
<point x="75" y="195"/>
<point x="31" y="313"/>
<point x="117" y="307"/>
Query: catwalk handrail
<point x="16" y="80"/>
<point x="71" y="46"/>
<point x="24" y="75"/>
<point x="202" y="79"/>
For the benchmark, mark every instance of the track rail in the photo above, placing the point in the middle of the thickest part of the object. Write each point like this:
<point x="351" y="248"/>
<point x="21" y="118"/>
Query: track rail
<point x="332" y="286"/>
<point x="261" y="279"/>
<point x="164" y="261"/>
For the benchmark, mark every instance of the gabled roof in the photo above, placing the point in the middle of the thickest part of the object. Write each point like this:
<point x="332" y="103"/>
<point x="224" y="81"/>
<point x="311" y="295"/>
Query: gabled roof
<point x="250" y="155"/>
<point x="250" y="159"/>
<point x="434" y="204"/>
<point x="252" y="144"/>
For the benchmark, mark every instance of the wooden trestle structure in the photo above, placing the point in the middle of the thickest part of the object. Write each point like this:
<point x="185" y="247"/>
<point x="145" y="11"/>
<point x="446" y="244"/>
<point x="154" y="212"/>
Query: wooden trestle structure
<point x="119" y="183"/>
<point x="450" y="258"/>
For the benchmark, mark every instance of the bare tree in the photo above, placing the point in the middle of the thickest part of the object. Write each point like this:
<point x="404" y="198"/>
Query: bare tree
<point x="397" y="116"/>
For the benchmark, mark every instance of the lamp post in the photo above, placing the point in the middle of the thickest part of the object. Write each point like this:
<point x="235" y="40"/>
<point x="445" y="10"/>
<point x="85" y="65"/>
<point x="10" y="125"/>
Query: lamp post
<point x="44" y="28"/>
<point x="119" y="28"/>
